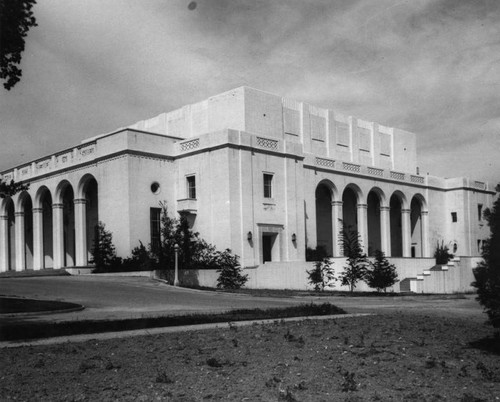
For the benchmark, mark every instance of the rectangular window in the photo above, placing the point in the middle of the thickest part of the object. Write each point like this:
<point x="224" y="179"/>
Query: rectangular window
<point x="154" y="223"/>
<point x="479" y="212"/>
<point x="268" y="185"/>
<point x="454" y="217"/>
<point x="191" y="187"/>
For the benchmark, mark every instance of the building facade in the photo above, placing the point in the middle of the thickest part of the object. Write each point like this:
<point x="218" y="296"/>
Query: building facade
<point x="257" y="173"/>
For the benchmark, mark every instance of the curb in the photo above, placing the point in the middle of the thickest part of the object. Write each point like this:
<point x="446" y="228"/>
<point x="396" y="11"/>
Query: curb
<point x="168" y="330"/>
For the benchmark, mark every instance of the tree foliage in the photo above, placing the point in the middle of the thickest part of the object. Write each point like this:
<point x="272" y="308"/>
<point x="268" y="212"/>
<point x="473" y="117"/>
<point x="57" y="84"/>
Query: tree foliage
<point x="230" y="271"/>
<point x="357" y="261"/>
<point x="8" y="189"/>
<point x="16" y="19"/>
<point x="381" y="273"/>
<point x="322" y="274"/>
<point x="103" y="251"/>
<point x="442" y="254"/>
<point x="487" y="273"/>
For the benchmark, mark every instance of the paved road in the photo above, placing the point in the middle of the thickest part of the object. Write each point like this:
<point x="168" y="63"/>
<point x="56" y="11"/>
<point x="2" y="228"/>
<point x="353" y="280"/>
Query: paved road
<point x="125" y="297"/>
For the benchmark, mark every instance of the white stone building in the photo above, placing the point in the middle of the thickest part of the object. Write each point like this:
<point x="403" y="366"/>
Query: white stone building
<point x="260" y="174"/>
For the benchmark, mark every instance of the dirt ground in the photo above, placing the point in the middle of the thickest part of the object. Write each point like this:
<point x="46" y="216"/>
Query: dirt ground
<point x="391" y="357"/>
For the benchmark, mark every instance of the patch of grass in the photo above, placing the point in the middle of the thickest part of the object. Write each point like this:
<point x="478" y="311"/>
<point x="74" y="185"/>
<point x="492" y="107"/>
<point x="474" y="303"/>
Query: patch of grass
<point x="285" y="293"/>
<point x="12" y="305"/>
<point x="10" y="331"/>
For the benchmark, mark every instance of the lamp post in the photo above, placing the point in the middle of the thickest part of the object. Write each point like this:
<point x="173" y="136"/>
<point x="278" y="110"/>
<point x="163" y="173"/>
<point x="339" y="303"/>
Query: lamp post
<point x="176" y="273"/>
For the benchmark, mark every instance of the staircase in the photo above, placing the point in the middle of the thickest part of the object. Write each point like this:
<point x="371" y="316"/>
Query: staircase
<point x="438" y="279"/>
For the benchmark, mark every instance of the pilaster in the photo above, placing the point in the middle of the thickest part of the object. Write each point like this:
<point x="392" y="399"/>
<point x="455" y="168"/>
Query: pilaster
<point x="80" y="232"/>
<point x="406" y="232"/>
<point x="363" y="226"/>
<point x="337" y="214"/>
<point x="58" y="235"/>
<point x="4" y="243"/>
<point x="20" y="242"/>
<point x="37" y="238"/>
<point x="385" y="230"/>
<point x="425" y="234"/>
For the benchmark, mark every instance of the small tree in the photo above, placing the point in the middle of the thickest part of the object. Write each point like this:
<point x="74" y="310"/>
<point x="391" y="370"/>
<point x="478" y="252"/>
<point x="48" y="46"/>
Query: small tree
<point x="322" y="274"/>
<point x="16" y="19"/>
<point x="8" y="189"/>
<point x="188" y="242"/>
<point x="165" y="253"/>
<point x="442" y="254"/>
<point x="141" y="259"/>
<point x="103" y="251"/>
<point x="487" y="273"/>
<point x="230" y="271"/>
<point x="357" y="261"/>
<point x="382" y="274"/>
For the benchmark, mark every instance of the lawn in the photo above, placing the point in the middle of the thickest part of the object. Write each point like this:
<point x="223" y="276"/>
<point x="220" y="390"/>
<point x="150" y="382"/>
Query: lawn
<point x="398" y="357"/>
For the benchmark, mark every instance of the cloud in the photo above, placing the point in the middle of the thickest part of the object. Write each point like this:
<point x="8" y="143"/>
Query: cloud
<point x="427" y="66"/>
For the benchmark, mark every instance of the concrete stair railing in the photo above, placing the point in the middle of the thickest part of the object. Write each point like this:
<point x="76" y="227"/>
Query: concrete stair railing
<point x="432" y="280"/>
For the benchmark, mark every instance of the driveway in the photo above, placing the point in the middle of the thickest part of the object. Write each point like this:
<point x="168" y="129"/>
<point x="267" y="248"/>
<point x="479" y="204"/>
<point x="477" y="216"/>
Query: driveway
<point x="127" y="297"/>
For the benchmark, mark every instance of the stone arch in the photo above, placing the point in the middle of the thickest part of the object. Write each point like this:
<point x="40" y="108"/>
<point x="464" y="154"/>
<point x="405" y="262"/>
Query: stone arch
<point x="8" y="244"/>
<point x="64" y="200"/>
<point x="418" y="206"/>
<point x="397" y="204"/>
<point x="374" y="201"/>
<point x="325" y="194"/>
<point x="24" y="216"/>
<point x="43" y="202"/>
<point x="352" y="197"/>
<point x="87" y="194"/>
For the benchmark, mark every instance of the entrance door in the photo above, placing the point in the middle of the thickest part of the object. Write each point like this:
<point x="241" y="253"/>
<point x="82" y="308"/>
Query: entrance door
<point x="268" y="242"/>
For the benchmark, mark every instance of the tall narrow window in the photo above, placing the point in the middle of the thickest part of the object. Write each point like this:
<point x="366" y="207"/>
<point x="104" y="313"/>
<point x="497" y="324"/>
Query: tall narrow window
<point x="268" y="185"/>
<point x="191" y="186"/>
<point x="479" y="212"/>
<point x="154" y="223"/>
<point x="454" y="217"/>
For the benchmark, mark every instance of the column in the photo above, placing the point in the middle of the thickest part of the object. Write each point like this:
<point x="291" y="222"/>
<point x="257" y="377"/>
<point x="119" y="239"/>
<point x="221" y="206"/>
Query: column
<point x="406" y="229"/>
<point x="58" y="235"/>
<point x="363" y="226"/>
<point x="337" y="227"/>
<point x="4" y="243"/>
<point x="20" y="242"/>
<point x="425" y="234"/>
<point x="385" y="230"/>
<point x="80" y="232"/>
<point x="38" y="238"/>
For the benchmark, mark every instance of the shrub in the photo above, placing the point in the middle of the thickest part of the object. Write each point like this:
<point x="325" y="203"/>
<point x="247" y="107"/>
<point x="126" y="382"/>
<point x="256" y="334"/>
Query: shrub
<point x="382" y="274"/>
<point x="322" y="274"/>
<point x="141" y="260"/>
<point x="357" y="261"/>
<point x="229" y="270"/>
<point x="316" y="254"/>
<point x="442" y="254"/>
<point x="103" y="251"/>
<point x="487" y="273"/>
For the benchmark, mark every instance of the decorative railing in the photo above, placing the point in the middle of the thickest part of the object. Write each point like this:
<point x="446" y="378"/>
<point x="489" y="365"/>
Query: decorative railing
<point x="43" y="164"/>
<point x="417" y="179"/>
<point x="325" y="162"/>
<point x="267" y="143"/>
<point x="480" y="185"/>
<point x="375" y="171"/>
<point x="190" y="145"/>
<point x="397" y="175"/>
<point x="88" y="150"/>
<point x="351" y="167"/>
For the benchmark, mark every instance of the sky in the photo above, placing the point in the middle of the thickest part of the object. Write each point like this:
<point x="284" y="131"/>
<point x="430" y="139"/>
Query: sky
<point x="431" y="67"/>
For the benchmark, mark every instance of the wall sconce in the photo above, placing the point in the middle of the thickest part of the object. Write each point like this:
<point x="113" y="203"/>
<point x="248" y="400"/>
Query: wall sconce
<point x="249" y="236"/>
<point x="294" y="238"/>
